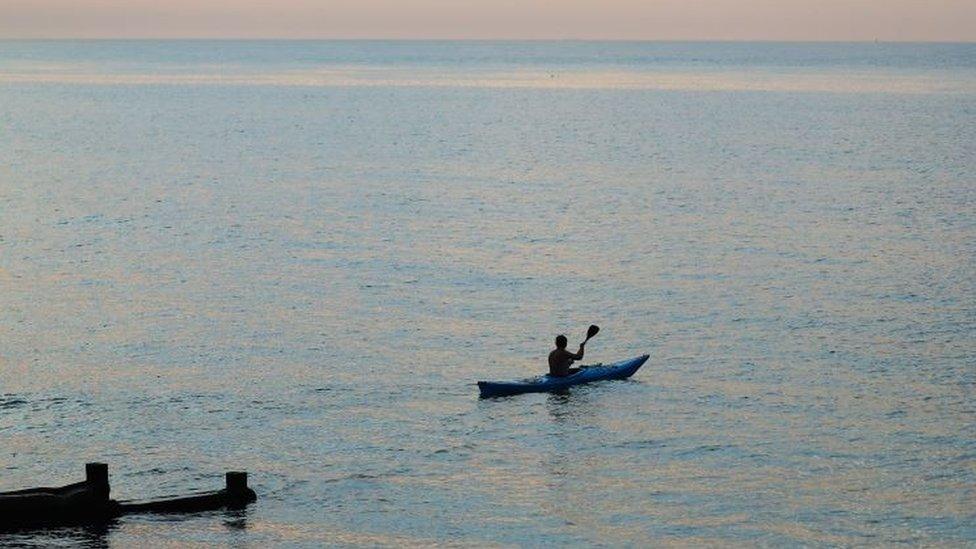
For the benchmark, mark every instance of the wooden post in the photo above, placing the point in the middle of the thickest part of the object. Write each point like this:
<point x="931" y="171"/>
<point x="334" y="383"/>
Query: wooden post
<point x="236" y="482"/>
<point x="96" y="475"/>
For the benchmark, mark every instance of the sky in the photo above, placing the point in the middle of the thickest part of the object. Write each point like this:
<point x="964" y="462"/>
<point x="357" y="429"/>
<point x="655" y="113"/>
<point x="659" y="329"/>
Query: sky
<point x="886" y="20"/>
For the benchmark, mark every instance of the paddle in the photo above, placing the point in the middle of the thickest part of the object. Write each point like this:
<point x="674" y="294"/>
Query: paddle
<point x="592" y="331"/>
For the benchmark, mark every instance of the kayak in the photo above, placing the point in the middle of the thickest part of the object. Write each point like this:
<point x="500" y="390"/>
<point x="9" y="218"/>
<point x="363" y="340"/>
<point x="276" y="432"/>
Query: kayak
<point x="541" y="384"/>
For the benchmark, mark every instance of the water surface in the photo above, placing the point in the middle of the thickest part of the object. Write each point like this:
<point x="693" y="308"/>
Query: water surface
<point x="297" y="258"/>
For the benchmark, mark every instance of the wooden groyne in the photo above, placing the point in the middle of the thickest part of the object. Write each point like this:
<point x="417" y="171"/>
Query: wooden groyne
<point x="86" y="501"/>
<point x="89" y="501"/>
<point x="235" y="494"/>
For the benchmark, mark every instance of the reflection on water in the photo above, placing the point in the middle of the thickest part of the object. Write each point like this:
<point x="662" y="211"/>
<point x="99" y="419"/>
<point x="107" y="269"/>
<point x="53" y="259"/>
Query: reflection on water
<point x="93" y="536"/>
<point x="305" y="282"/>
<point x="235" y="519"/>
<point x="570" y="404"/>
<point x="126" y="530"/>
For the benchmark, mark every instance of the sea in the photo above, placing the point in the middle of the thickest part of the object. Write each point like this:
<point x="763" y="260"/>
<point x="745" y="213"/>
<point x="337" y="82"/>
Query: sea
<point x="297" y="258"/>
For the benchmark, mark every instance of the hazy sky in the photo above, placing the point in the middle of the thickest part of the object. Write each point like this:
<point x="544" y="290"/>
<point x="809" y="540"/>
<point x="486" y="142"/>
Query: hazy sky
<point x="922" y="20"/>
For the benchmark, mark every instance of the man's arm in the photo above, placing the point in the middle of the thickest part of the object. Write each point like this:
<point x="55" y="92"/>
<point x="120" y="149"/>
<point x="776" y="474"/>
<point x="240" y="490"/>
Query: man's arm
<point x="579" y="354"/>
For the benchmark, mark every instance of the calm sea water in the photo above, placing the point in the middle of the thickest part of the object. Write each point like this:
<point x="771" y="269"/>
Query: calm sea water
<point x="297" y="258"/>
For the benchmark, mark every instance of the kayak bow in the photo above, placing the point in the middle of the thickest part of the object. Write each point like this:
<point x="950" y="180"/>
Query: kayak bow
<point x="541" y="384"/>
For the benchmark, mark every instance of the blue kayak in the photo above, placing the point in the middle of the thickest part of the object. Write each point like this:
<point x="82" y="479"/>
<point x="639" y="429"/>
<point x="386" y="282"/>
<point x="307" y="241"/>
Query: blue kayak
<point x="541" y="384"/>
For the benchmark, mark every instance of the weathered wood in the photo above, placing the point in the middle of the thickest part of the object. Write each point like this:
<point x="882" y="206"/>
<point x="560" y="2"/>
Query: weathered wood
<point x="236" y="494"/>
<point x="79" y="502"/>
<point x="236" y="481"/>
<point x="96" y="475"/>
<point x="89" y="502"/>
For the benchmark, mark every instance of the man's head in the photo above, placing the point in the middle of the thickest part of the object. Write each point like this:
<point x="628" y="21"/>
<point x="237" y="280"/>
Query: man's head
<point x="561" y="342"/>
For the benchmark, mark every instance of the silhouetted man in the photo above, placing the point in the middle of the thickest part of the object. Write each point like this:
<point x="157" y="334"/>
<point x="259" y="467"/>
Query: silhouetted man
<point x="560" y="359"/>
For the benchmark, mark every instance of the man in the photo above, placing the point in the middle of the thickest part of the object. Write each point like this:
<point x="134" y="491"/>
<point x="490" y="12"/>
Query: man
<point x="560" y="359"/>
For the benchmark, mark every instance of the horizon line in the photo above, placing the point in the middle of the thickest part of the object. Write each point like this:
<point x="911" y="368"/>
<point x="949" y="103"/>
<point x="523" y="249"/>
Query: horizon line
<point x="471" y="39"/>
